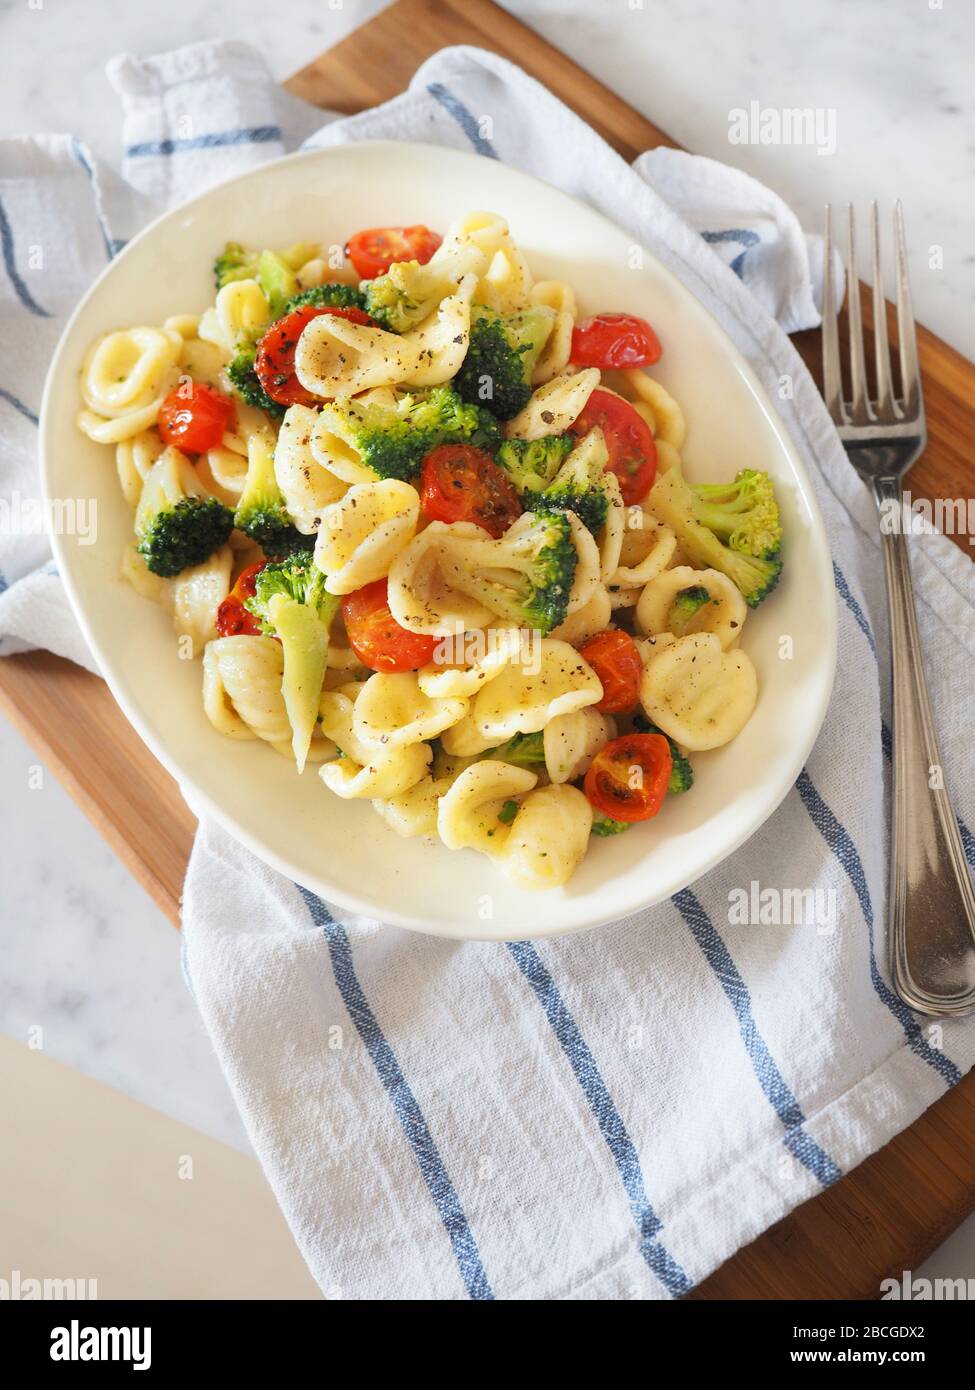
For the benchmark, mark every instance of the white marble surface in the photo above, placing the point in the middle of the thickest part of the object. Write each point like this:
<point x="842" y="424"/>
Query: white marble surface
<point x="86" y="954"/>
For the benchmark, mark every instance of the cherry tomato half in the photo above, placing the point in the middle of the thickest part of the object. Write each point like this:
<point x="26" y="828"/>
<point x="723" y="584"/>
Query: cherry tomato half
<point x="632" y="452"/>
<point x="628" y="778"/>
<point x="462" y="483"/>
<point x="616" y="661"/>
<point x="373" y="251"/>
<point x="377" y="638"/>
<point x="233" y="619"/>
<point x="614" y="340"/>
<point x="275" y="360"/>
<point x="194" y="417"/>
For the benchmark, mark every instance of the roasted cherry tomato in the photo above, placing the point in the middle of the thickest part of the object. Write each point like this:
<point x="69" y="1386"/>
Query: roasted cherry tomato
<point x="233" y="619"/>
<point x="614" y="340"/>
<point x="627" y="779"/>
<point x="632" y="452"/>
<point x="377" y="638"/>
<point x="194" y="417"/>
<point x="616" y="661"/>
<point x="462" y="483"/>
<point x="275" y="360"/>
<point x="373" y="251"/>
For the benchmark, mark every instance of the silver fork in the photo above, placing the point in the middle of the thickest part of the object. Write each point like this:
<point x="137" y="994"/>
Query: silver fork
<point x="931" y="915"/>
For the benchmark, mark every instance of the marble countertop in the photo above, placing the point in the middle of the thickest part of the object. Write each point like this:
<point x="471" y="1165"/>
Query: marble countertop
<point x="88" y="957"/>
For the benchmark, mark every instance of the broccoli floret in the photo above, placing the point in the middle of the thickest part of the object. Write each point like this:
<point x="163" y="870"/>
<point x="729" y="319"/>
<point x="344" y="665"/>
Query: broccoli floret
<point x="274" y="270"/>
<point x="331" y="296"/>
<point x="185" y="535"/>
<point x="672" y="502"/>
<point x="684" y="607"/>
<point x="533" y="463"/>
<point x="508" y="812"/>
<point x="523" y="750"/>
<point x="235" y="262"/>
<point x="277" y="280"/>
<point x="406" y="294"/>
<point x="681" y="773"/>
<point x="261" y="512"/>
<point x="298" y="578"/>
<point x="579" y="484"/>
<point x="503" y="351"/>
<point x="393" y="435"/>
<point x="246" y="383"/>
<point x="605" y="825"/>
<point x="744" y="513"/>
<point x="292" y="603"/>
<point x="176" y="526"/>
<point x="525" y="577"/>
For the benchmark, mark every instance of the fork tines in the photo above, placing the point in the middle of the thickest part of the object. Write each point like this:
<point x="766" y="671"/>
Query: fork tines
<point x="860" y="411"/>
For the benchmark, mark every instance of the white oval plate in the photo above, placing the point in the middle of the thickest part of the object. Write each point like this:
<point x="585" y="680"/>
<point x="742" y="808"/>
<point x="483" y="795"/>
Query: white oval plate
<point x="341" y="849"/>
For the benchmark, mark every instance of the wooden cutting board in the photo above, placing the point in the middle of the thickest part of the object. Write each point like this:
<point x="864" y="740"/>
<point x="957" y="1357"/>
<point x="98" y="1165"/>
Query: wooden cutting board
<point x="893" y="1210"/>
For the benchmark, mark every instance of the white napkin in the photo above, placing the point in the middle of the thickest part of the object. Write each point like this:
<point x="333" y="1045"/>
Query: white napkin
<point x="603" y="1116"/>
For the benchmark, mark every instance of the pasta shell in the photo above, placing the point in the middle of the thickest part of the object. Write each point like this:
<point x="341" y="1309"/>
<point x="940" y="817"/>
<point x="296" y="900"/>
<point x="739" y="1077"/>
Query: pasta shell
<point x="548" y="838"/>
<point x="524" y="697"/>
<point x="724" y="615"/>
<point x="554" y="406"/>
<point x="467" y="817"/>
<point x="306" y="486"/>
<point x="571" y="741"/>
<point x="698" y="694"/>
<point x="392" y="711"/>
<point x="363" y="532"/>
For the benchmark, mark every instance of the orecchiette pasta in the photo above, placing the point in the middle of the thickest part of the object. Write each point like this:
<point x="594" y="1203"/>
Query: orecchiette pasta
<point x="554" y="357"/>
<point x="423" y="596"/>
<point x="197" y="594"/>
<point x="124" y="380"/>
<point x="571" y="741"/>
<point x="133" y="459"/>
<point x="723" y="614"/>
<point x="524" y="696"/>
<point x="306" y="486"/>
<point x="392" y="711"/>
<point x="554" y="406"/>
<point x="364" y="770"/>
<point x="699" y="694"/>
<point x="646" y="548"/>
<point x="468" y="814"/>
<point x="239" y="314"/>
<point x="390" y="579"/>
<point x="242" y="688"/>
<point x="664" y="416"/>
<point x="479" y="660"/>
<point x="548" y="838"/>
<point x="414" y="812"/>
<point x="363" y="532"/>
<point x="585" y="622"/>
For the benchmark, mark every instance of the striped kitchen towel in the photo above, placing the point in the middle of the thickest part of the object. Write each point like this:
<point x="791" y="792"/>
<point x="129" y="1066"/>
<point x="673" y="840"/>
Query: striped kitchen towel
<point x="608" y="1115"/>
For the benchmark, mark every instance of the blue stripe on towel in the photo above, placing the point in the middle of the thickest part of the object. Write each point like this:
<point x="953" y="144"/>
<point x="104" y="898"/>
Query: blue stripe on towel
<point x="608" y="1118"/>
<point x="743" y="236"/>
<point x="10" y="263"/>
<point x="81" y="158"/>
<point x="767" y="1073"/>
<point x="18" y="405"/>
<point x="859" y="617"/>
<point x="251" y="135"/>
<point x="404" y="1102"/>
<point x="456" y="108"/>
<point x="840" y="842"/>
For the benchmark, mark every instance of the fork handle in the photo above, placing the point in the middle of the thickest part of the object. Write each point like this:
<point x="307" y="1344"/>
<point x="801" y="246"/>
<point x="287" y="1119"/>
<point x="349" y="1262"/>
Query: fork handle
<point x="931" y="913"/>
